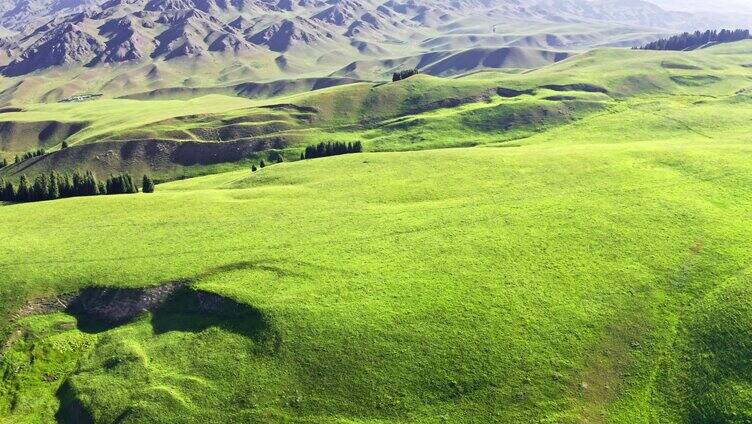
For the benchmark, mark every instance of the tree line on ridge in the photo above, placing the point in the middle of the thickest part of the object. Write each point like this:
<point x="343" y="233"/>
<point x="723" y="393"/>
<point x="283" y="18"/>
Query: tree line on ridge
<point x="690" y="41"/>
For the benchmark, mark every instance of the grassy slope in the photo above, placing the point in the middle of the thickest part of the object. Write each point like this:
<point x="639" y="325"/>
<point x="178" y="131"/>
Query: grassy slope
<point x="532" y="284"/>
<point x="115" y="115"/>
<point x="597" y="273"/>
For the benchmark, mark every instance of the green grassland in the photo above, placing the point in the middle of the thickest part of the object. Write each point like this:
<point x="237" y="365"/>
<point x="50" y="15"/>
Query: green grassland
<point x="587" y="261"/>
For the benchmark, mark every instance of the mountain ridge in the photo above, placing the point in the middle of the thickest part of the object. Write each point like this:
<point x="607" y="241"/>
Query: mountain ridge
<point x="118" y="30"/>
<point x="269" y="40"/>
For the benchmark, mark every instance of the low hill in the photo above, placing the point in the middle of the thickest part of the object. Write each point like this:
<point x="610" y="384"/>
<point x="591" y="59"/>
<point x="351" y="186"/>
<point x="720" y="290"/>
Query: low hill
<point x="479" y="59"/>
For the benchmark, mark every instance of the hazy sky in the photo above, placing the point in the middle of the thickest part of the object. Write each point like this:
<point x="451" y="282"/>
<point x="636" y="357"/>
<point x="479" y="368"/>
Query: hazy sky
<point x="718" y="6"/>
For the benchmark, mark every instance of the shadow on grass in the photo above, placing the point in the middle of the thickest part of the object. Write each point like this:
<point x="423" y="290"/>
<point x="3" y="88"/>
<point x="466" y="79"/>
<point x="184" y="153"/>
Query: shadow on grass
<point x="183" y="310"/>
<point x="72" y="410"/>
<point x="194" y="311"/>
<point x="99" y="309"/>
<point x="173" y="307"/>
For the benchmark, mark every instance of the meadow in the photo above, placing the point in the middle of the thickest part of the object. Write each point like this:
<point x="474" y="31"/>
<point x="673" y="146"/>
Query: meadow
<point x="594" y="269"/>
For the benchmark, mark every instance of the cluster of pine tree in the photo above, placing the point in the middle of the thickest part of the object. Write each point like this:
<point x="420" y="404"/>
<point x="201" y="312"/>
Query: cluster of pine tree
<point x="58" y="186"/>
<point x="331" y="149"/>
<point x="397" y="76"/>
<point x="691" y="41"/>
<point x="29" y="155"/>
<point x="120" y="184"/>
<point x="52" y="186"/>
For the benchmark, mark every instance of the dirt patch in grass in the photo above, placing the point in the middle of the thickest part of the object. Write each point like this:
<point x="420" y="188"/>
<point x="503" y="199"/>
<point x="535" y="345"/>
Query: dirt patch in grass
<point x="147" y="156"/>
<point x="98" y="309"/>
<point x="104" y="307"/>
<point x="43" y="306"/>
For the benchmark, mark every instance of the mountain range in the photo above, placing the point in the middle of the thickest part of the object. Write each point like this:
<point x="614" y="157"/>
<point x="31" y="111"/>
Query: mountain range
<point x="143" y="44"/>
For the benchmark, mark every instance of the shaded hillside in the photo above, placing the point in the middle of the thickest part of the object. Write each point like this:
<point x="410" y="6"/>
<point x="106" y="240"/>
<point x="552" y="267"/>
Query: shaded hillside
<point x="250" y="89"/>
<point x="445" y="63"/>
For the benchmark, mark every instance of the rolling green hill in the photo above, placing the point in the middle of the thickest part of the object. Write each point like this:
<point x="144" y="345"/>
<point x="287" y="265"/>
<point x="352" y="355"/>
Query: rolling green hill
<point x="172" y="138"/>
<point x="545" y="283"/>
<point x="582" y="255"/>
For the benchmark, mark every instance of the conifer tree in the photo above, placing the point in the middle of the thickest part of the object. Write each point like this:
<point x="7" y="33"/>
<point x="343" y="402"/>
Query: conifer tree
<point x="77" y="184"/>
<point x="40" y="190"/>
<point x="53" y="187"/>
<point x="128" y="184"/>
<point x="120" y="184"/>
<point x="90" y="184"/>
<point x="112" y="185"/>
<point x="10" y="191"/>
<point x="331" y="149"/>
<point x="398" y="76"/>
<point x="7" y="192"/>
<point x="66" y="185"/>
<point x="262" y="164"/>
<point x="22" y="195"/>
<point x="697" y="39"/>
<point x="147" y="185"/>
